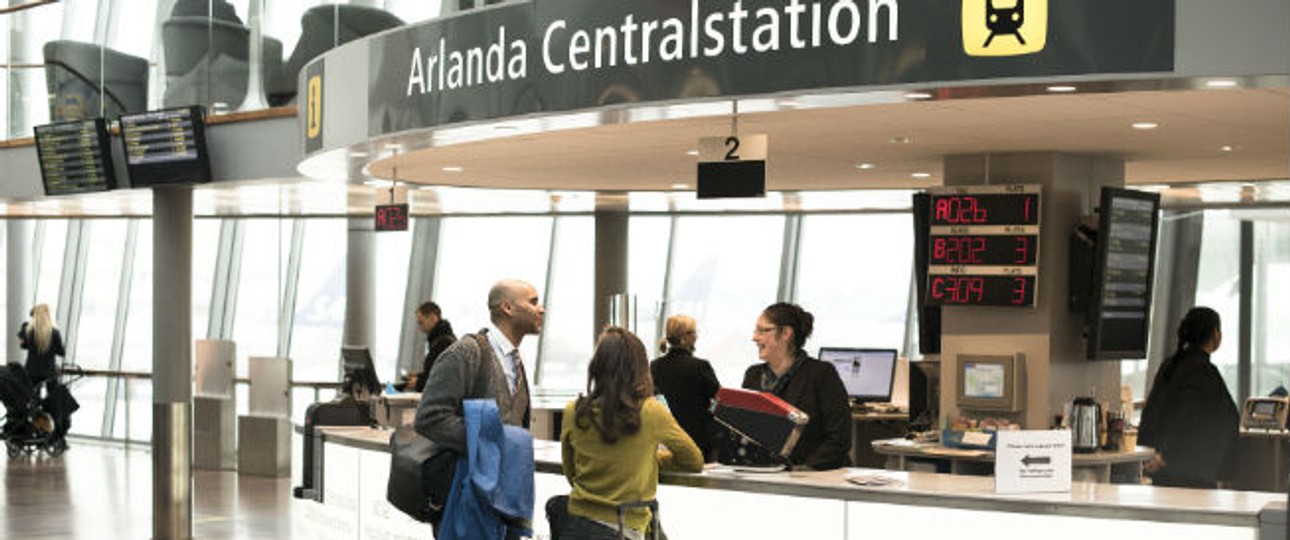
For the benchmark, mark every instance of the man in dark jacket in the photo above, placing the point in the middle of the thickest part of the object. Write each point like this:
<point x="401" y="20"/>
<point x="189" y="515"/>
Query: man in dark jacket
<point x="439" y="336"/>
<point x="485" y="365"/>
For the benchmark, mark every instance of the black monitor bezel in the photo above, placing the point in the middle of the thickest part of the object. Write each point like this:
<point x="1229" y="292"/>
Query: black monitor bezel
<point x="891" y="378"/>
<point x="105" y="152"/>
<point x="196" y="171"/>
<point x="358" y="360"/>
<point x="1094" y="323"/>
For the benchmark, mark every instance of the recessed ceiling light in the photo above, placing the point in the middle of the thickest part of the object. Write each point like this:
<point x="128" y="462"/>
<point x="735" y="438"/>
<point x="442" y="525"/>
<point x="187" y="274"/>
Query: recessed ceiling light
<point x="917" y="95"/>
<point x="680" y="186"/>
<point x="787" y="103"/>
<point x="452" y="168"/>
<point x="865" y="166"/>
<point x="691" y="152"/>
<point x="1249" y="185"/>
<point x="921" y="175"/>
<point x="1061" y="88"/>
<point x="900" y="139"/>
<point x="1222" y="83"/>
<point x="1145" y="125"/>
<point x="357" y="154"/>
<point x="1227" y="148"/>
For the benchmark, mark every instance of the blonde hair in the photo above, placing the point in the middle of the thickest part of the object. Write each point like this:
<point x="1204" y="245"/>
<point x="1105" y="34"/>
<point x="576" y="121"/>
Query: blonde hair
<point x="41" y="329"/>
<point x="674" y="331"/>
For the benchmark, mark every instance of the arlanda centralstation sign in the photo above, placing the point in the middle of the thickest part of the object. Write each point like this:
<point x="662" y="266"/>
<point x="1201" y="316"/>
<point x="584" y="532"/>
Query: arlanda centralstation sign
<point x="560" y="55"/>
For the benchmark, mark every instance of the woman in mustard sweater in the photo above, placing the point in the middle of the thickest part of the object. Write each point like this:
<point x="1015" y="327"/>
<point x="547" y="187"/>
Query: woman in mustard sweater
<point x="610" y="442"/>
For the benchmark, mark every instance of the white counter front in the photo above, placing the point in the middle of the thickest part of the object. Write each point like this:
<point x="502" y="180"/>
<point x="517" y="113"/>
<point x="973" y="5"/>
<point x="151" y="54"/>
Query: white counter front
<point x="819" y="505"/>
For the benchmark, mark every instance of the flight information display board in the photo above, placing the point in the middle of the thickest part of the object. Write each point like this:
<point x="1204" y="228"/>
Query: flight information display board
<point x="983" y="246"/>
<point x="166" y="147"/>
<point x="1121" y="318"/>
<point x="75" y="157"/>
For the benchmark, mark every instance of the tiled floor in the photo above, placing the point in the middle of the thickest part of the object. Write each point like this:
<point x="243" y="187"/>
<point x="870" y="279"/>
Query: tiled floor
<point x="103" y="491"/>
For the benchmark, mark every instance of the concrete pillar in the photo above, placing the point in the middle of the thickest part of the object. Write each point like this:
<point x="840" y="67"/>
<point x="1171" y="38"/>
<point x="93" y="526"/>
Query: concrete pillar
<point x="172" y="362"/>
<point x="360" y="284"/>
<point x="18" y="281"/>
<point x="610" y="260"/>
<point x="1049" y="335"/>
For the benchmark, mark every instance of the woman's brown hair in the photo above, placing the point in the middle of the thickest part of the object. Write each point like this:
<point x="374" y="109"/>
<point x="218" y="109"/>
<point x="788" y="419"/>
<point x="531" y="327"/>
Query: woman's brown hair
<point x="618" y="381"/>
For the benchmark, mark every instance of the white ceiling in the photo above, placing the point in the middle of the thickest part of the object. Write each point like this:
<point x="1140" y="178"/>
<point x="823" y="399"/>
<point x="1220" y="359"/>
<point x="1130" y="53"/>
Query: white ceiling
<point x="818" y="148"/>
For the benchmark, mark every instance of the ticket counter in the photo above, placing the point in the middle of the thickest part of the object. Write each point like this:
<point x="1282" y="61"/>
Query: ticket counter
<point x="825" y="504"/>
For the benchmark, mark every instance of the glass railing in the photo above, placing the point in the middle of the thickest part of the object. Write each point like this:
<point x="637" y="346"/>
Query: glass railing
<point x="85" y="58"/>
<point x="117" y="405"/>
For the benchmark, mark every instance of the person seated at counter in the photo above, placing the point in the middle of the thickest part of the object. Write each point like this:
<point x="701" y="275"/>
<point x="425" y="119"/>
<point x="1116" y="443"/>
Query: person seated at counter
<point x="610" y="449"/>
<point x="804" y="382"/>
<point x="439" y="336"/>
<point x="687" y="382"/>
<point x="1190" y="418"/>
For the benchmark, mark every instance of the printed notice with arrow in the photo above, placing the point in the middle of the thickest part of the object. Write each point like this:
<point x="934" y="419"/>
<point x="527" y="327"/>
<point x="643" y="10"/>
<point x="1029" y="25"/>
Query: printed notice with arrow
<point x="1032" y="462"/>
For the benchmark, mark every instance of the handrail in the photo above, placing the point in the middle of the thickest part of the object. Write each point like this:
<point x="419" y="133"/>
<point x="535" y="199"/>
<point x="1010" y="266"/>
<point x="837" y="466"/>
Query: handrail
<point x="24" y="6"/>
<point x="140" y="375"/>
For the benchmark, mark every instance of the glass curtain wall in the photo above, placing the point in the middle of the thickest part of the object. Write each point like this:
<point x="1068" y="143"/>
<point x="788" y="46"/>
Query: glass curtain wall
<point x="1218" y="286"/>
<point x="1271" y="320"/>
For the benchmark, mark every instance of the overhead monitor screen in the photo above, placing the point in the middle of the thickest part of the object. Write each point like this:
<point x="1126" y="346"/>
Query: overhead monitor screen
<point x="75" y="157"/>
<point x="866" y="373"/>
<point x="984" y="380"/>
<point x="166" y="147"/>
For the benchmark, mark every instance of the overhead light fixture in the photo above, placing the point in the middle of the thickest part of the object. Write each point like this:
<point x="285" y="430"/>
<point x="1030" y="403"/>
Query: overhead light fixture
<point x="452" y="168"/>
<point x="691" y="152"/>
<point x="358" y="154"/>
<point x="917" y="96"/>
<point x="1222" y="83"/>
<point x="1145" y="125"/>
<point x="1249" y="185"/>
<point x="865" y="166"/>
<point x="921" y="175"/>
<point x="680" y="186"/>
<point x="1061" y="88"/>
<point x="900" y="139"/>
<point x="790" y="103"/>
<point x="1227" y="148"/>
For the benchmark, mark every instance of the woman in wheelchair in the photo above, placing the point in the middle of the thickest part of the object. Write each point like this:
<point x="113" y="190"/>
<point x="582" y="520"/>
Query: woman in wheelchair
<point x="611" y="451"/>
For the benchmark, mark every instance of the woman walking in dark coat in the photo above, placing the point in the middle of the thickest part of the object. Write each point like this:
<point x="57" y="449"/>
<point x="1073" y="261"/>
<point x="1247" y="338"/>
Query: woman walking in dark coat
<point x="1190" y="418"/>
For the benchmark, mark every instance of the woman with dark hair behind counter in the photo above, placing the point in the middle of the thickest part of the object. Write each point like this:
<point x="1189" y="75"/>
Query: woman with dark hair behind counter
<point x="804" y="382"/>
<point x="1190" y="418"/>
<point x="687" y="381"/>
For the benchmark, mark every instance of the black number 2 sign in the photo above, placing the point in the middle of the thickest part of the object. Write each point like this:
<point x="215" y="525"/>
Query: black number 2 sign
<point x="732" y="148"/>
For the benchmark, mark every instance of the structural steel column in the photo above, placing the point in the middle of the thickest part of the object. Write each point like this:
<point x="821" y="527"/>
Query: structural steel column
<point x="18" y="283"/>
<point x="172" y="362"/>
<point x="611" y="262"/>
<point x="360" y="284"/>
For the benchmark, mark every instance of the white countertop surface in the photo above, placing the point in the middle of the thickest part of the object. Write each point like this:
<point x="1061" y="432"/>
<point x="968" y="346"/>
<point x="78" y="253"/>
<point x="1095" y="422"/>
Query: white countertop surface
<point x="1114" y="501"/>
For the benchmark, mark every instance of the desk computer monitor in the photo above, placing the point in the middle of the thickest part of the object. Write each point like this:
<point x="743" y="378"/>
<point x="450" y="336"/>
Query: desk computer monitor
<point x="992" y="383"/>
<point x="867" y="373"/>
<point x="360" y="375"/>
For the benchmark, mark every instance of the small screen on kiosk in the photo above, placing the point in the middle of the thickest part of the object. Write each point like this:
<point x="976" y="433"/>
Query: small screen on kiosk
<point x="1265" y="408"/>
<point x="982" y="380"/>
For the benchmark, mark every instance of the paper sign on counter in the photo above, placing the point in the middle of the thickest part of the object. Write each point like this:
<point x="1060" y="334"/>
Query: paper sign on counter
<point x="1032" y="462"/>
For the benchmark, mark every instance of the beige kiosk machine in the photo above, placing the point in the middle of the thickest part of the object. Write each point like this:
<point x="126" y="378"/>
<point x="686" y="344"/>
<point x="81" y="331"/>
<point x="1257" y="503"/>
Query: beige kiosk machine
<point x="989" y="383"/>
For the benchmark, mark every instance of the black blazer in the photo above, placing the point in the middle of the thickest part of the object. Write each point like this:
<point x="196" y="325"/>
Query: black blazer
<point x="689" y="384"/>
<point x="815" y="388"/>
<point x="437" y="341"/>
<point x="1191" y="420"/>
<point x="41" y="366"/>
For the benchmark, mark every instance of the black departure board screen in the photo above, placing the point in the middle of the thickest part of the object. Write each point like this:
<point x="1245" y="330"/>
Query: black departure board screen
<point x="1121" y="317"/>
<point x="983" y="245"/>
<point x="75" y="157"/>
<point x="166" y="147"/>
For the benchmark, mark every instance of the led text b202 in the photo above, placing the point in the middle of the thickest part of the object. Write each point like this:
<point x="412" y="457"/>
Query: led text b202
<point x="983" y="250"/>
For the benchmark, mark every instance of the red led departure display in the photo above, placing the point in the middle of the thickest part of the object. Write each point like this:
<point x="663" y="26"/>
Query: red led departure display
<point x="982" y="290"/>
<point x="983" y="245"/>
<point x="991" y="250"/>
<point x="985" y="209"/>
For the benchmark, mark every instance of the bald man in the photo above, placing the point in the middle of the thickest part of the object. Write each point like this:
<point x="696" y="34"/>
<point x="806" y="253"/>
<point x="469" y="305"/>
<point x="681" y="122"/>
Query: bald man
<point x="485" y="365"/>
